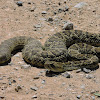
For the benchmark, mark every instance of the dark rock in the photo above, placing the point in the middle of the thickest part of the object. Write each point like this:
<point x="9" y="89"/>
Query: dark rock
<point x="36" y="77"/>
<point x="50" y="19"/>
<point x="2" y="97"/>
<point x="18" y="88"/>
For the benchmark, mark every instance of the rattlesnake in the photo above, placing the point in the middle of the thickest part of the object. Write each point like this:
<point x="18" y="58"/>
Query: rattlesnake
<point x="66" y="50"/>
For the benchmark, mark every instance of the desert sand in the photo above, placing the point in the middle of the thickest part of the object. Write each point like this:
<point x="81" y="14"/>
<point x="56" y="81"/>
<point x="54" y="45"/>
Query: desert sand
<point x="40" y="19"/>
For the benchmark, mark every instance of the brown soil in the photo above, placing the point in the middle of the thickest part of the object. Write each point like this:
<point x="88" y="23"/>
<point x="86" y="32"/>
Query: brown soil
<point x="18" y="83"/>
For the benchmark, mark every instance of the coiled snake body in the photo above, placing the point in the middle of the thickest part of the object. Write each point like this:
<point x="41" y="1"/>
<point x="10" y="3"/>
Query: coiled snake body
<point x="66" y="50"/>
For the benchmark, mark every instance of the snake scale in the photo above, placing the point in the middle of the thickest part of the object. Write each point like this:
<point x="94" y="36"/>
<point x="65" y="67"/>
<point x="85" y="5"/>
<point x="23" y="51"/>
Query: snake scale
<point x="66" y="50"/>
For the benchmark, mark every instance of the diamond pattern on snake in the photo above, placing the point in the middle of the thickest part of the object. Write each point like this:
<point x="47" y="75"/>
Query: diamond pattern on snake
<point x="66" y="50"/>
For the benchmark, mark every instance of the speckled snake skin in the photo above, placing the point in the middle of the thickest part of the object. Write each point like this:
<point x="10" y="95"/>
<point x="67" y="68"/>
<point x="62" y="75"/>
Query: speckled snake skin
<point x="66" y="50"/>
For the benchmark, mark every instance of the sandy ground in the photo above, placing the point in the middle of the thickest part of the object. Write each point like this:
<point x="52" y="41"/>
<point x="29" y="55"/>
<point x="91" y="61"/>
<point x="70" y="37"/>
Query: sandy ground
<point x="40" y="19"/>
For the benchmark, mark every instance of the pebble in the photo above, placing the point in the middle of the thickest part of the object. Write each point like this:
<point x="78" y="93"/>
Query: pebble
<point x="34" y="88"/>
<point x="29" y="2"/>
<point x="38" y="26"/>
<point x="19" y="3"/>
<point x="79" y="96"/>
<point x="10" y="63"/>
<point x="80" y="5"/>
<point x="86" y="70"/>
<point x="9" y="82"/>
<point x="79" y="70"/>
<point x="25" y="66"/>
<point x="68" y="26"/>
<point x="50" y="19"/>
<point x="19" y="79"/>
<point x="32" y="9"/>
<point x="93" y="97"/>
<point x="89" y="76"/>
<point x="44" y="12"/>
<point x="43" y="82"/>
<point x="66" y="8"/>
<point x="14" y="81"/>
<point x="17" y="55"/>
<point x="16" y="68"/>
<point x="60" y="10"/>
<point x="42" y="71"/>
<point x="83" y="86"/>
<point x="18" y="88"/>
<point x="93" y="91"/>
<point x="2" y="97"/>
<point x="1" y="78"/>
<point x="34" y="96"/>
<point x="67" y="75"/>
<point x="36" y="77"/>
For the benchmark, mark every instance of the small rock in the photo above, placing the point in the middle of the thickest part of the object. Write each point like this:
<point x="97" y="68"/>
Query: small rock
<point x="10" y="64"/>
<point x="16" y="68"/>
<point x="67" y="75"/>
<point x="63" y="83"/>
<point x="68" y="26"/>
<point x="80" y="5"/>
<point x="9" y="82"/>
<point x="32" y="9"/>
<point x="65" y="1"/>
<point x="17" y="55"/>
<point x="44" y="12"/>
<point x="79" y="70"/>
<point x="1" y="78"/>
<point x="29" y="2"/>
<point x="78" y="96"/>
<point x="42" y="71"/>
<point x="38" y="26"/>
<point x="19" y="3"/>
<point x="25" y="66"/>
<point x="50" y="19"/>
<point x="2" y="97"/>
<point x="93" y="91"/>
<point x="66" y="8"/>
<point x="43" y="19"/>
<point x="93" y="97"/>
<point x="34" y="88"/>
<point x="83" y="86"/>
<point x="14" y="81"/>
<point x="36" y="77"/>
<point x="43" y="82"/>
<point x="34" y="96"/>
<point x="60" y="10"/>
<point x="18" y="88"/>
<point x="86" y="70"/>
<point x="19" y="79"/>
<point x="89" y="76"/>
